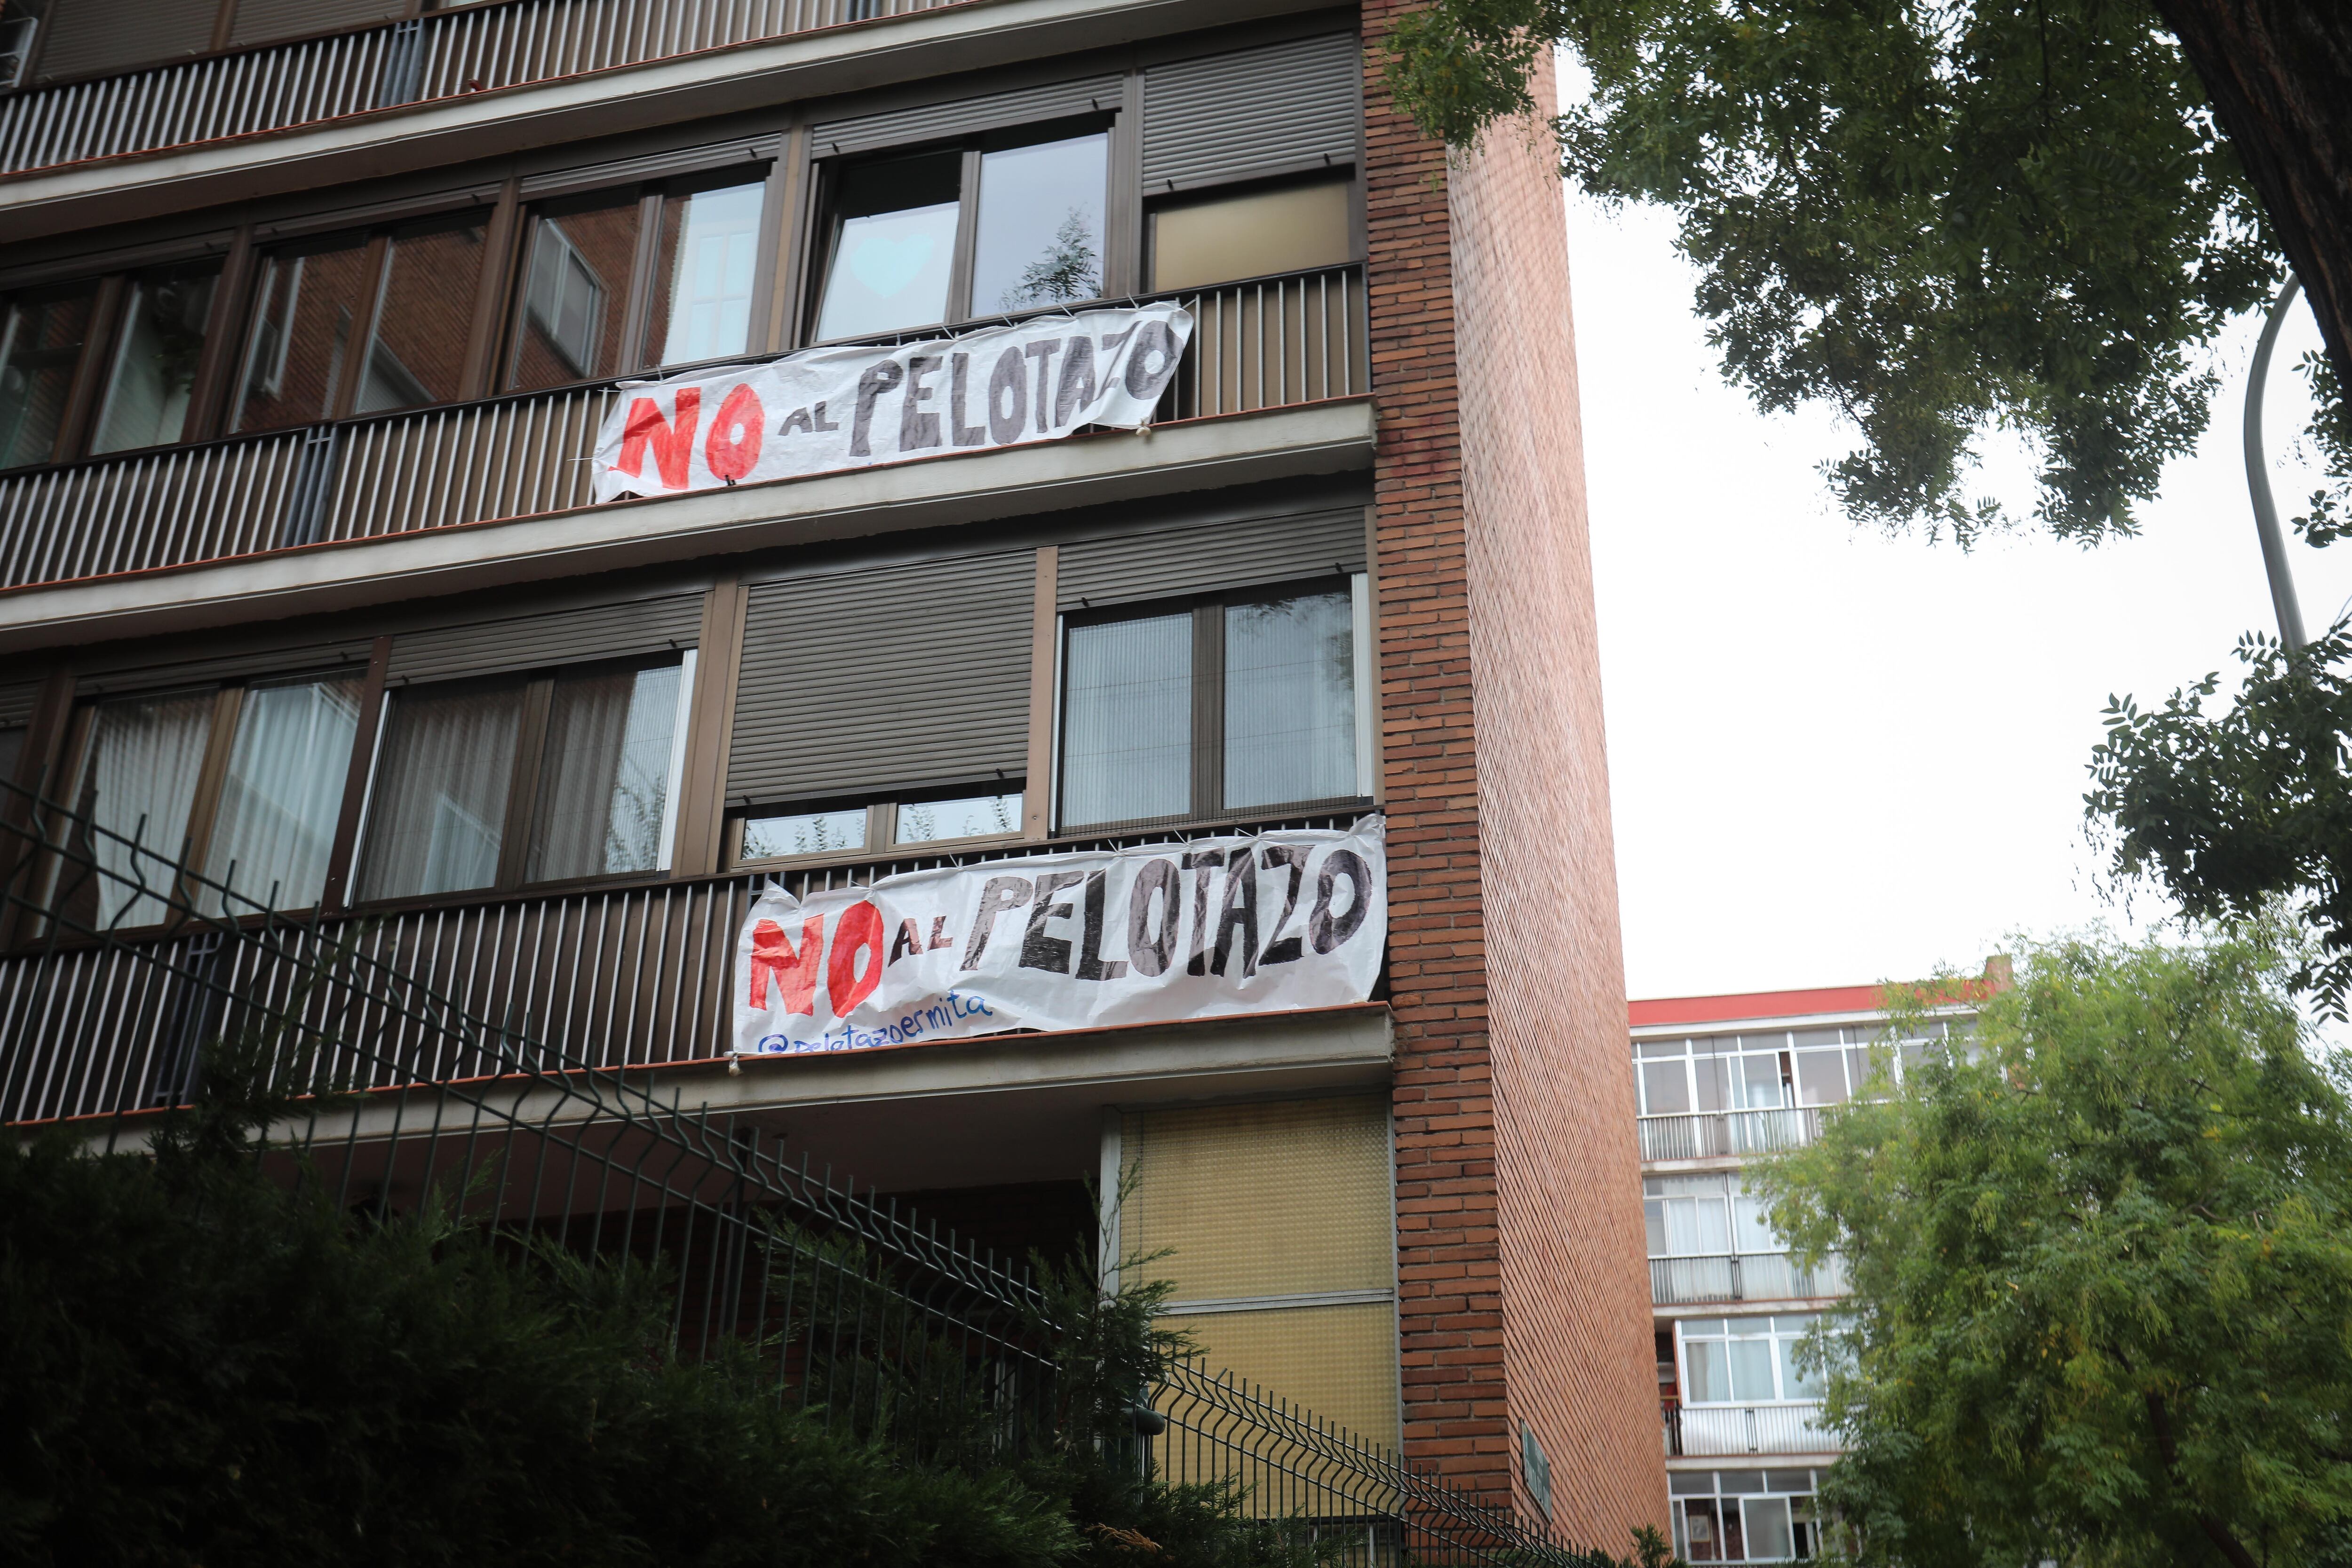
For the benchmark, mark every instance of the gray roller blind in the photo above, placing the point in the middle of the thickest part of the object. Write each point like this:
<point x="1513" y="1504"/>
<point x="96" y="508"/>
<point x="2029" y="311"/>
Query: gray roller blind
<point x="748" y="155"/>
<point x="1166" y="562"/>
<point x="931" y="122"/>
<point x="249" y="664"/>
<point x="16" y="704"/>
<point x="86" y="37"/>
<point x="1272" y="110"/>
<point x="258" y="21"/>
<point x="886" y="678"/>
<point x="539" y="642"/>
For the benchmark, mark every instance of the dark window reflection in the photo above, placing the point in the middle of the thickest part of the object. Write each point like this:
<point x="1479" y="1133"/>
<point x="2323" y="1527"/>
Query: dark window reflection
<point x="575" y="291"/>
<point x="156" y="349"/>
<point x="427" y="315"/>
<point x="40" y="342"/>
<point x="305" y="310"/>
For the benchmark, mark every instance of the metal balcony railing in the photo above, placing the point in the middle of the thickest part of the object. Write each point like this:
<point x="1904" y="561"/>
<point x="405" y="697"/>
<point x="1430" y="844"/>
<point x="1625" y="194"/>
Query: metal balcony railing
<point x="1743" y="1276"/>
<point x="1710" y="1430"/>
<point x="629" y="977"/>
<point x="1712" y="1134"/>
<point x="442" y="54"/>
<point x="1258" y="344"/>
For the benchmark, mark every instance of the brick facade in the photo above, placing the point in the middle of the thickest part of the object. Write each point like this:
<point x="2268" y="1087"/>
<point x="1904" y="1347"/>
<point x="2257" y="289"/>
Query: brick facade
<point x="1522" y="1291"/>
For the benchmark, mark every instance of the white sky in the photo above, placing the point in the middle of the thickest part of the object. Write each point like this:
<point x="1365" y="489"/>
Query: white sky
<point x="1838" y="758"/>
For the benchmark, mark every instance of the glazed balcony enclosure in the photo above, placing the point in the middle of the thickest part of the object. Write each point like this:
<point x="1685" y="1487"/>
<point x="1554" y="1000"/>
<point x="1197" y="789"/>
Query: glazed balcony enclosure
<point x="1257" y="345"/>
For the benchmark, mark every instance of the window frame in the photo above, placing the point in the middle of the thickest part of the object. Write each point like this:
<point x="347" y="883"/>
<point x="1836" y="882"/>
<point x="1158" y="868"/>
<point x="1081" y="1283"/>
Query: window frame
<point x="822" y="181"/>
<point x="1209" y="693"/>
<point x="1772" y="1336"/>
<point x="881" y="839"/>
<point x="525" y="779"/>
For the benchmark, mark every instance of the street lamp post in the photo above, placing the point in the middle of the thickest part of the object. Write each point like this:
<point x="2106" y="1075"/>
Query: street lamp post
<point x="2258" y="480"/>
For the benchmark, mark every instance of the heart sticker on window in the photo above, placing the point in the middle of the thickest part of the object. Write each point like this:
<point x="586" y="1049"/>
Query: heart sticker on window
<point x="887" y="266"/>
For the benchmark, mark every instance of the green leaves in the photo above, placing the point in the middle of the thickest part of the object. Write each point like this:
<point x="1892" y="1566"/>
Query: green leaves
<point x="1939" y="218"/>
<point x="2102" y="1273"/>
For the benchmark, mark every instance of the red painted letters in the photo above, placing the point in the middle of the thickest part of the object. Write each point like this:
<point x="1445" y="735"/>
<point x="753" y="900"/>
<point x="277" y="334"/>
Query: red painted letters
<point x="672" y="445"/>
<point x="795" y="973"/>
<point x="730" y="458"/>
<point x="859" y="931"/>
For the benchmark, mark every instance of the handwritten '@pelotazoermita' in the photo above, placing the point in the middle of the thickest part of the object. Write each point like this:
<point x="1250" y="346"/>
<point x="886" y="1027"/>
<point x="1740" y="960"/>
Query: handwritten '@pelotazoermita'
<point x="1218" y="926"/>
<point x="824" y="410"/>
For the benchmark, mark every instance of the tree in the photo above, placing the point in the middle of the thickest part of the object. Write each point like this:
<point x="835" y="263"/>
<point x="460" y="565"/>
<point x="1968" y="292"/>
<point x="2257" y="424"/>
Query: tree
<point x="1066" y="271"/>
<point x="2102" y="1271"/>
<point x="1945" y="217"/>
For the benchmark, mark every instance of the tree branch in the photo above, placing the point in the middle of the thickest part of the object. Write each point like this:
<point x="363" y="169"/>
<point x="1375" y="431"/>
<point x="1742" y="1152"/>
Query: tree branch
<point x="2227" y="1544"/>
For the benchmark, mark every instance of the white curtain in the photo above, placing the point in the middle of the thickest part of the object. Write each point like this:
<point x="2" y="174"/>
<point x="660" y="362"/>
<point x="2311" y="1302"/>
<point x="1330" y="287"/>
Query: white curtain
<point x="139" y="782"/>
<point x="606" y="777"/>
<point x="437" y="821"/>
<point x="1127" y="734"/>
<point x="283" y="792"/>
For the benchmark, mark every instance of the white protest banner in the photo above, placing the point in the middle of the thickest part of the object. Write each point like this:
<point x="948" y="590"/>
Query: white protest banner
<point x="824" y="410"/>
<point x="1218" y="926"/>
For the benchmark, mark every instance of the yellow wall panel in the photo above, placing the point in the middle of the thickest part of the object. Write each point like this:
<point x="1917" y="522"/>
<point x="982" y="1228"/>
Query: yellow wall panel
<point x="1267" y="1199"/>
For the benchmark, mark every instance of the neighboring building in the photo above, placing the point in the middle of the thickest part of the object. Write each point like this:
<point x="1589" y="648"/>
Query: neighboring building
<point x="1720" y="1079"/>
<point x="308" y="319"/>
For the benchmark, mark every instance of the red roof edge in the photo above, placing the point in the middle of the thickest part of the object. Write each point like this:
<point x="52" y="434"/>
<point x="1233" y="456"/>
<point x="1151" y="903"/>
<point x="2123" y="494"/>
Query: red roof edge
<point x="1760" y="1004"/>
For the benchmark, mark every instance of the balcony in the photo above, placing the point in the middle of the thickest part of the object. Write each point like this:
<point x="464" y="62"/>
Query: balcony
<point x="1727" y="1431"/>
<point x="1743" y="1276"/>
<point x="1718" y="1134"/>
<point x="1264" y="344"/>
<point x="444" y="54"/>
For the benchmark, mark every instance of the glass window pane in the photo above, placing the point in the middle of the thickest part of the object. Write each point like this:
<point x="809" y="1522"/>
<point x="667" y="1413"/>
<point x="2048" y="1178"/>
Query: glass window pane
<point x="893" y="246"/>
<point x="811" y="833"/>
<point x="701" y="307"/>
<point x="1756" y="1233"/>
<point x="1796" y="1382"/>
<point x="139" y="781"/>
<point x="421" y="329"/>
<point x="604" y="783"/>
<point x="1752" y="1369"/>
<point x="575" y="291"/>
<point x="1759" y="1081"/>
<point x="283" y="791"/>
<point x="155" y="353"/>
<point x="1295" y="228"/>
<point x="40" y="342"/>
<point x="1706" y="1376"/>
<point x="1127" y="726"/>
<point x="439" y="818"/>
<point x="305" y="311"/>
<point x="1653" y="1218"/>
<point x="1713" y="1075"/>
<point x="922" y="822"/>
<point x="1700" y="1523"/>
<point x="1768" y="1538"/>
<point x="1821" y="1077"/>
<point x="1666" y="1089"/>
<point x="1041" y="224"/>
<point x="1290" y="700"/>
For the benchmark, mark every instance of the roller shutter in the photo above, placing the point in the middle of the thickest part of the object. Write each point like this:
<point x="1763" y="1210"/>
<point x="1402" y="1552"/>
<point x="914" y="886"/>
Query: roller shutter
<point x="16" y="704"/>
<point x="1167" y="563"/>
<point x="747" y="156"/>
<point x="1274" y="111"/>
<point x="624" y="631"/>
<point x="258" y="21"/>
<point x="301" y="658"/>
<point x="86" y="37"/>
<point x="934" y="121"/>
<point x="886" y="678"/>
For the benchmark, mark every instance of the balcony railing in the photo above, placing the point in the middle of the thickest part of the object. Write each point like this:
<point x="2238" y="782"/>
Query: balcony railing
<point x="1744" y="1276"/>
<point x="1260" y="344"/>
<point x="1712" y="1134"/>
<point x="442" y="54"/>
<point x="1709" y="1430"/>
<point x="631" y="977"/>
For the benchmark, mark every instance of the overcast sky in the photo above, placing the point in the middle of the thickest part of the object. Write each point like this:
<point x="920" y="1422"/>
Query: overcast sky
<point x="1839" y="758"/>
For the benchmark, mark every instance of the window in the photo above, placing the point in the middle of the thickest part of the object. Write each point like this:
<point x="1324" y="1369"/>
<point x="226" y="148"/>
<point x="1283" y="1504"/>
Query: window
<point x="41" y="337"/>
<point x="1746" y="1361"/>
<point x="274" y="830"/>
<point x="1033" y="205"/>
<point x="1286" y="228"/>
<point x="583" y="277"/>
<point x="1744" y="1516"/>
<point x="1704" y="1216"/>
<point x="359" y="324"/>
<point x="157" y="345"/>
<point x="140" y="760"/>
<point x="1773" y="1070"/>
<point x="880" y="828"/>
<point x="1237" y="705"/>
<point x="515" y="780"/>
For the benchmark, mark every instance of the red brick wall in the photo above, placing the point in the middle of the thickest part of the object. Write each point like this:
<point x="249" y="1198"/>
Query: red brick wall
<point x="1523" y="1292"/>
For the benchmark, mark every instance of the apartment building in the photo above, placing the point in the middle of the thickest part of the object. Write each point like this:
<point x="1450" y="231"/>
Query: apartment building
<point x="1719" y="1080"/>
<point x="320" y="323"/>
